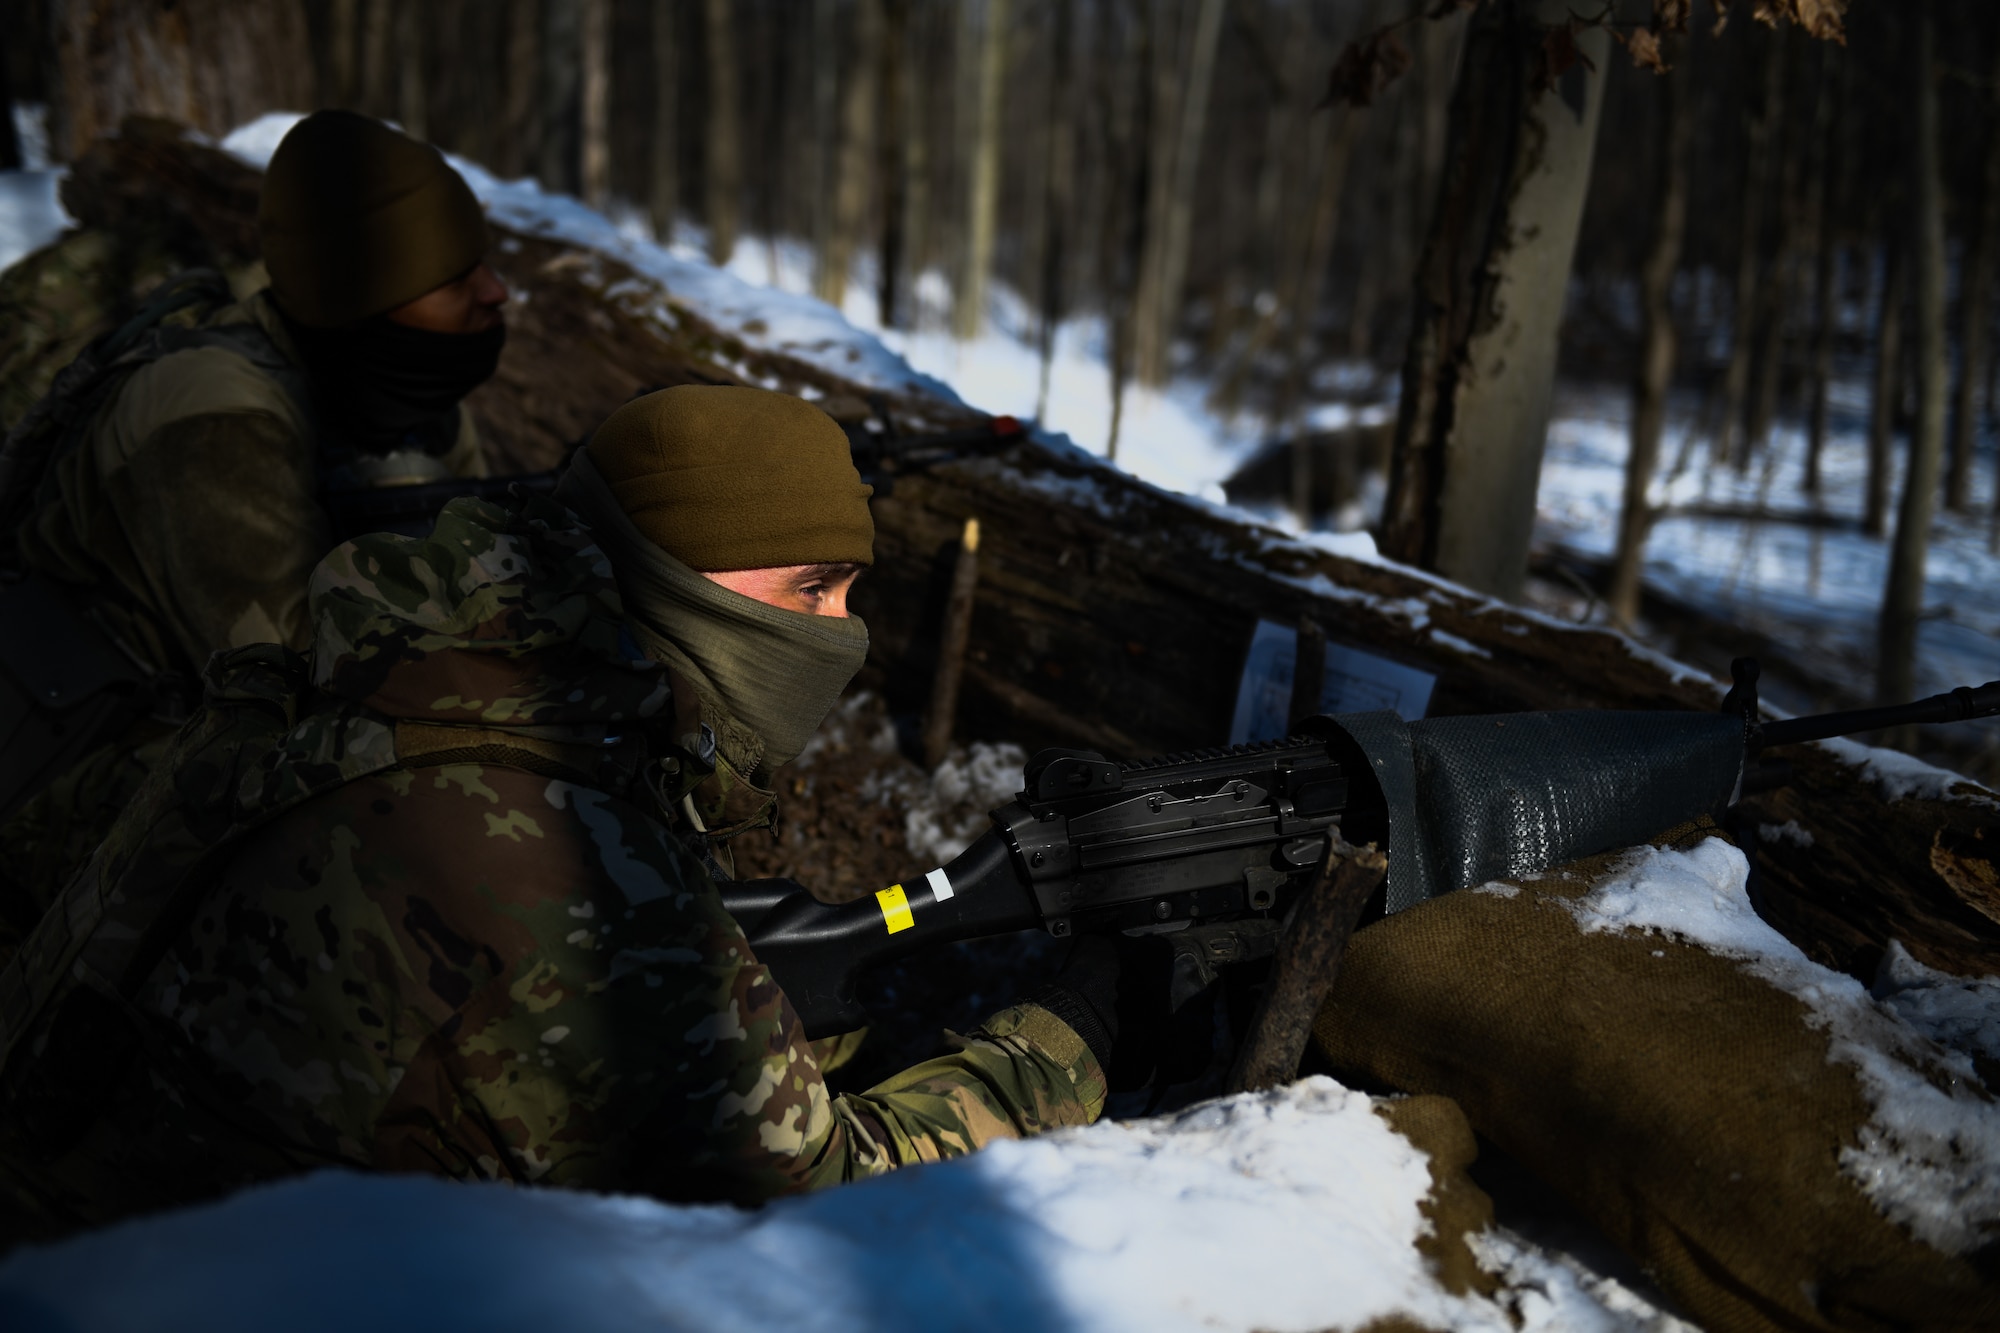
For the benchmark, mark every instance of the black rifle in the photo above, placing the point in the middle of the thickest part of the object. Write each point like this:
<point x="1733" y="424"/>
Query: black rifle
<point x="1210" y="848"/>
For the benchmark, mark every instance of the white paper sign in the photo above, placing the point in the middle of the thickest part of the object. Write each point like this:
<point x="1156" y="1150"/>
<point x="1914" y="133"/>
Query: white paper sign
<point x="1355" y="682"/>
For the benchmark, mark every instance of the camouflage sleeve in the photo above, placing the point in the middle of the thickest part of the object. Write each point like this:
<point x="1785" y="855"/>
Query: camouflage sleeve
<point x="1023" y="1072"/>
<point x="530" y="979"/>
<point x="224" y="529"/>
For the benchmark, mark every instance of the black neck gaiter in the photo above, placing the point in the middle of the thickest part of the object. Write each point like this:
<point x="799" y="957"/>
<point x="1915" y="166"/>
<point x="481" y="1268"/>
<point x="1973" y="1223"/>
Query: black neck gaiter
<point x="383" y="386"/>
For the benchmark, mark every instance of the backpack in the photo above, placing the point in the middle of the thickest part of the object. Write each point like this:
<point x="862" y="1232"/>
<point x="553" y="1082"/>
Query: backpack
<point x="66" y="685"/>
<point x="262" y="743"/>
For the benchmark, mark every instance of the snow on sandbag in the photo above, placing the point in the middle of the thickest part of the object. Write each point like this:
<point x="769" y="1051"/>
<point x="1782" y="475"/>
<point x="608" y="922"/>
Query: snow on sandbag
<point x="1779" y="1147"/>
<point x="1295" y="1210"/>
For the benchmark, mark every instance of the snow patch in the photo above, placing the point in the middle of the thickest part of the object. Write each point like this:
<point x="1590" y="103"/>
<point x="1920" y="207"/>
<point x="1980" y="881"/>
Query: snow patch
<point x="1458" y="645"/>
<point x="1292" y="1210"/>
<point x="1962" y="1013"/>
<point x="944" y="811"/>
<point x="1897" y="776"/>
<point x="1929" y="1155"/>
<point x="31" y="213"/>
<point x="1789" y="831"/>
<point x="1554" y="1292"/>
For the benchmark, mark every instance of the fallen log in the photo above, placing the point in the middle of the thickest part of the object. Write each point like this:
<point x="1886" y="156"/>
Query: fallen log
<point x="1110" y="613"/>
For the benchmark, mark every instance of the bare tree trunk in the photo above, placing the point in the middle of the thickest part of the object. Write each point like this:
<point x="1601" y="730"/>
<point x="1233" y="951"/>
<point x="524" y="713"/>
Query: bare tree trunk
<point x="1760" y="136"/>
<point x="343" y="22"/>
<point x="1791" y="247"/>
<point x="209" y="64"/>
<point x="982" y="178"/>
<point x="1162" y="279"/>
<point x="1129" y="121"/>
<point x="1399" y="160"/>
<point x="594" y="39"/>
<point x="1887" y="390"/>
<point x="1826" y="253"/>
<point x="412" y="83"/>
<point x="1657" y="340"/>
<point x="1975" y="305"/>
<point x="519" y="145"/>
<point x="663" y="185"/>
<point x="1162" y="72"/>
<point x="916" y="158"/>
<point x="1903" y="597"/>
<point x="1489" y="301"/>
<point x="561" y="84"/>
<point x="824" y="130"/>
<point x="723" y="165"/>
<point x="10" y="140"/>
<point x="1289" y="152"/>
<point x="1303" y="300"/>
<point x="378" y="27"/>
<point x="890" y="162"/>
<point x="856" y="156"/>
<point x="1058" y="185"/>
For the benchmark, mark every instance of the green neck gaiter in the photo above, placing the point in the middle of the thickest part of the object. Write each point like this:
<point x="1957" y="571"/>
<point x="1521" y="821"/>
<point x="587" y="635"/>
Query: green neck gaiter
<point x="777" y="672"/>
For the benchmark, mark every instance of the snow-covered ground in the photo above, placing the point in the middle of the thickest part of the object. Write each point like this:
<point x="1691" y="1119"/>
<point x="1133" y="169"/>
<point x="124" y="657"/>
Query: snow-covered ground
<point x="1291" y="1211"/>
<point x="1817" y="589"/>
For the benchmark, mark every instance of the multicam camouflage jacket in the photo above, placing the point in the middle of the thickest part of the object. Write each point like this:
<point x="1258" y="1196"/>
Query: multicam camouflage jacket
<point x="466" y="943"/>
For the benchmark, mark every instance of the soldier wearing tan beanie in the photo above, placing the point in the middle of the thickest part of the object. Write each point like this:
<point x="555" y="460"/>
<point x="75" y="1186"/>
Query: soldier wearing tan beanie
<point x="736" y="523"/>
<point x="186" y="513"/>
<point x="356" y="219"/>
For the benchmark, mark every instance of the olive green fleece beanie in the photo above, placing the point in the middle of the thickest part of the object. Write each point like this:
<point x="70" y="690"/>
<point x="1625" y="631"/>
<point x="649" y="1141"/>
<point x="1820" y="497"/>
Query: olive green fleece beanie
<point x="357" y="218"/>
<point x="721" y="477"/>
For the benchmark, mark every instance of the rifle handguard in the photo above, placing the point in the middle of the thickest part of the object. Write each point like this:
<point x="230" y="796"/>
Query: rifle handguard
<point x="814" y="949"/>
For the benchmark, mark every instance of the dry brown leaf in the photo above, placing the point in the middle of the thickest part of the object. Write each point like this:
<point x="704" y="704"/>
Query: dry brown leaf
<point x="1820" y="18"/>
<point x="1560" y="54"/>
<point x="1671" y="16"/>
<point x="1645" y="49"/>
<point x="1369" y="64"/>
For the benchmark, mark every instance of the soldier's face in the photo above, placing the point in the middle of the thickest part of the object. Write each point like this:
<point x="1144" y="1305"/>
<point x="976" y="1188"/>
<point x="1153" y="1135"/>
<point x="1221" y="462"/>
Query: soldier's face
<point x="813" y="590"/>
<point x="469" y="304"/>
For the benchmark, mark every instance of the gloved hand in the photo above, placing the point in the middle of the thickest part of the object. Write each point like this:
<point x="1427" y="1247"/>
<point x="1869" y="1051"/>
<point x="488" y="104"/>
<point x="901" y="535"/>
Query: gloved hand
<point x="1113" y="991"/>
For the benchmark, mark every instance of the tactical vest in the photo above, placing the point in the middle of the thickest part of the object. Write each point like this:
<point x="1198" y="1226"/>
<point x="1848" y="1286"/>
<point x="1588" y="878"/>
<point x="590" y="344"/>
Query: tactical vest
<point x="66" y="685"/>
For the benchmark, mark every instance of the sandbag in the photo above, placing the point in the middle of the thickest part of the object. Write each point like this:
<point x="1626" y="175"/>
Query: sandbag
<point x="1683" y="1096"/>
<point x="1456" y="1208"/>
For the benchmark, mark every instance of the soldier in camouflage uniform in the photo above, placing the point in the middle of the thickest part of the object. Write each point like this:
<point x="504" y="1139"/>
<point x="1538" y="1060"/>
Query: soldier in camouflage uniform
<point x="185" y="514"/>
<point x="441" y="903"/>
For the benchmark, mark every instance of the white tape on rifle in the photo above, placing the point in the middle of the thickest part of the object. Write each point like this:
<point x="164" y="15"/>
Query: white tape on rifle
<point x="940" y="884"/>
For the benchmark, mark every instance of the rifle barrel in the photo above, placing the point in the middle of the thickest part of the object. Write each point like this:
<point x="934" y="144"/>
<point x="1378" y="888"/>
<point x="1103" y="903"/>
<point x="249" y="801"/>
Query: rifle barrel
<point x="1960" y="705"/>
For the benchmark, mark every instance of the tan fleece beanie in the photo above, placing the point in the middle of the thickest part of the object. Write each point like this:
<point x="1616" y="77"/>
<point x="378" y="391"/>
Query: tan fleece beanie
<point x="357" y="218"/>
<point x="721" y="477"/>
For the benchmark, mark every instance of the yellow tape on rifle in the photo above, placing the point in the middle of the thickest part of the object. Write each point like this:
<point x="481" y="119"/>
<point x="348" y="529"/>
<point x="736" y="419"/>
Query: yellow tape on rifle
<point x="895" y="908"/>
